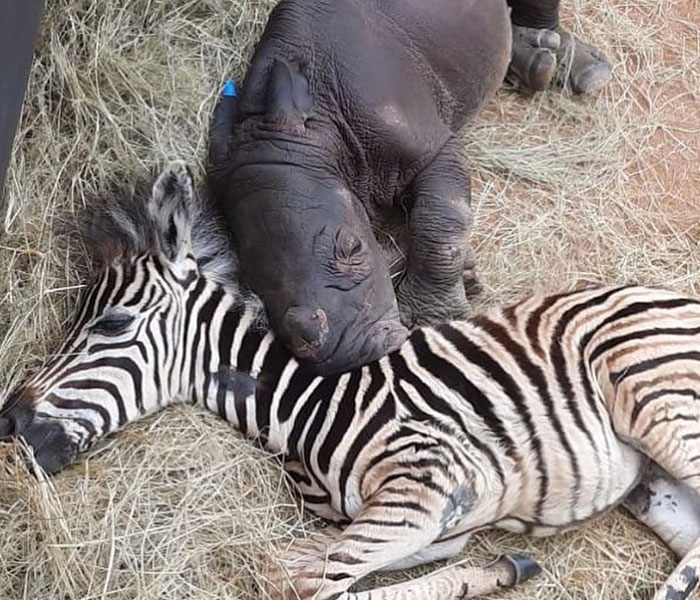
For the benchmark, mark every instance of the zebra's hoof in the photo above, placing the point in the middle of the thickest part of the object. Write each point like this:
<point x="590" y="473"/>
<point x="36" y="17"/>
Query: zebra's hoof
<point x="682" y="584"/>
<point x="523" y="566"/>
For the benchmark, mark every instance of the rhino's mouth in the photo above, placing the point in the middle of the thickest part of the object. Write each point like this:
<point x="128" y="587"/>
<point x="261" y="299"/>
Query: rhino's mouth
<point x="358" y="346"/>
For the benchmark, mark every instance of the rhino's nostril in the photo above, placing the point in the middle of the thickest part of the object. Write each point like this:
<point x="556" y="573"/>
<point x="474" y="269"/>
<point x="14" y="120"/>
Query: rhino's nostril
<point x="308" y="334"/>
<point x="309" y="338"/>
<point x="313" y="330"/>
<point x="306" y="330"/>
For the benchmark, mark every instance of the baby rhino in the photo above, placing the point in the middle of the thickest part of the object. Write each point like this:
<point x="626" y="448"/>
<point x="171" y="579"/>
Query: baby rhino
<point x="347" y="118"/>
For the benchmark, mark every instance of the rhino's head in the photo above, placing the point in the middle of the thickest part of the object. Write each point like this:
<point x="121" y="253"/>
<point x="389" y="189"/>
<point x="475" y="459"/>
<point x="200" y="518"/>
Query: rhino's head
<point x="308" y="250"/>
<point x="304" y="242"/>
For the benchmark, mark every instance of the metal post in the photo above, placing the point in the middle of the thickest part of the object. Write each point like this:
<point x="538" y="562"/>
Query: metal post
<point x="19" y="24"/>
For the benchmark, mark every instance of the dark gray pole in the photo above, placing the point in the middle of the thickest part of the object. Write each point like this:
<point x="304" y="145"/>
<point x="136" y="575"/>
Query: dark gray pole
<point x="19" y="23"/>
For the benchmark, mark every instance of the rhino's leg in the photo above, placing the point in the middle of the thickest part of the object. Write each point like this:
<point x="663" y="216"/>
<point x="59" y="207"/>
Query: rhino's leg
<point x="544" y="53"/>
<point x="440" y="262"/>
<point x="537" y="14"/>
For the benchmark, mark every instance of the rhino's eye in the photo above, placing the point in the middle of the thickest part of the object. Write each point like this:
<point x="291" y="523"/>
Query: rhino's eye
<point x="112" y="324"/>
<point x="348" y="247"/>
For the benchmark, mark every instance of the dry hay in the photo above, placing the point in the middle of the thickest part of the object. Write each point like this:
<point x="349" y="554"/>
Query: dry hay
<point x="179" y="506"/>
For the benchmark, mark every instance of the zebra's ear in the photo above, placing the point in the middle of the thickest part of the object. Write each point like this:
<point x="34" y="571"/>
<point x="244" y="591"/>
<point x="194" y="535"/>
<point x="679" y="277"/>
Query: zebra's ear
<point x="170" y="207"/>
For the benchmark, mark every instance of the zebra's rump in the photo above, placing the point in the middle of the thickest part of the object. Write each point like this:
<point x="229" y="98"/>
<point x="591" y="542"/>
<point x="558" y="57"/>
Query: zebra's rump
<point x="524" y="393"/>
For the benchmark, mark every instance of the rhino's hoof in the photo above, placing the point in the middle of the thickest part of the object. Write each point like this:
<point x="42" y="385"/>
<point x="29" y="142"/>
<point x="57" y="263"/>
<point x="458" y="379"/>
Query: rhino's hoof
<point x="537" y="73"/>
<point x="472" y="283"/>
<point x="592" y="79"/>
<point x="533" y="61"/>
<point x="581" y="68"/>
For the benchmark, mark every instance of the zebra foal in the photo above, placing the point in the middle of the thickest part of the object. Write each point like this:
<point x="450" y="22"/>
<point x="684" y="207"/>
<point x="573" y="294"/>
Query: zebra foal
<point x="532" y="418"/>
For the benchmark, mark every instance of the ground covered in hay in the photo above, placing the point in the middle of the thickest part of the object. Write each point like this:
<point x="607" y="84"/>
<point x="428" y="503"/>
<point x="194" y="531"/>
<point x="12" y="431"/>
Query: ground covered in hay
<point x="179" y="506"/>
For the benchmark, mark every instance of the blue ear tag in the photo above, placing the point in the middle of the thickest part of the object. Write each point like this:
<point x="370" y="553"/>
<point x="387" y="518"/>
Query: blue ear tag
<point x="229" y="90"/>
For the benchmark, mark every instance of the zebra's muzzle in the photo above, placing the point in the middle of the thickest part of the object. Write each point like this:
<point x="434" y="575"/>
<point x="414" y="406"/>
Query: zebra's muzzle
<point x="53" y="448"/>
<point x="6" y="429"/>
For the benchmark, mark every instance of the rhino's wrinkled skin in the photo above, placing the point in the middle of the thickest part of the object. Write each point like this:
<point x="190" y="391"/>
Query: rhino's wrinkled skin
<point x="346" y="119"/>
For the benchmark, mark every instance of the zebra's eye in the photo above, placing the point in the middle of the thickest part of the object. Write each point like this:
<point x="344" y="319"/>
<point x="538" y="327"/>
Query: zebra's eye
<point x="112" y="325"/>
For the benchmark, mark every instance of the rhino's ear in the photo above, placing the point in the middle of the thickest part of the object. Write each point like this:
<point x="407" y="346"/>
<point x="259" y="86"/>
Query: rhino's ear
<point x="288" y="97"/>
<point x="170" y="207"/>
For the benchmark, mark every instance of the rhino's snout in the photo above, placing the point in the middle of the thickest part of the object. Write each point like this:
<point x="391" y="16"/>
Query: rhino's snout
<point x="391" y="340"/>
<point x="381" y="340"/>
<point x="306" y="330"/>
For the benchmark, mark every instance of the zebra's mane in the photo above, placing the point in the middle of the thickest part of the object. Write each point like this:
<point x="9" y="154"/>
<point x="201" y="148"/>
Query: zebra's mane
<point x="119" y="226"/>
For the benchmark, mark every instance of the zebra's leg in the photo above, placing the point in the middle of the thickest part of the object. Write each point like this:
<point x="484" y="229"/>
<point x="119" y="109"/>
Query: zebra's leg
<point x="670" y="509"/>
<point x="665" y="425"/>
<point x="458" y="582"/>
<point x="390" y="528"/>
<point x="439" y="550"/>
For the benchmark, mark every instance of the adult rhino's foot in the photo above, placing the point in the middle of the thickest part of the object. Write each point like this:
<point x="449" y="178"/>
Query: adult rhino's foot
<point x="582" y="68"/>
<point x="534" y="60"/>
<point x="542" y="57"/>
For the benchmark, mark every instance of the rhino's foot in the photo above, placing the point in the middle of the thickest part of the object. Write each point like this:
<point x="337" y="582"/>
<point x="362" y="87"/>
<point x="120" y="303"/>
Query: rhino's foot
<point x="533" y="62"/>
<point x="472" y="283"/>
<point x="581" y="68"/>
<point x="422" y="304"/>
<point x="542" y="57"/>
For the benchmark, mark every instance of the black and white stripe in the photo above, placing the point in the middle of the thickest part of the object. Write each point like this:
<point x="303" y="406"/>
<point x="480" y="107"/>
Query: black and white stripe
<point x="533" y="418"/>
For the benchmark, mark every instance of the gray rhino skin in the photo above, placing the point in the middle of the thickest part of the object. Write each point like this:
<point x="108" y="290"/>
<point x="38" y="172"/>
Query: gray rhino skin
<point x="347" y="118"/>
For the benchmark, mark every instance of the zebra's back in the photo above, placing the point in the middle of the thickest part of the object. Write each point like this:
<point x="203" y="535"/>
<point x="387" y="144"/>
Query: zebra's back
<point x="533" y="418"/>
<point x="530" y="389"/>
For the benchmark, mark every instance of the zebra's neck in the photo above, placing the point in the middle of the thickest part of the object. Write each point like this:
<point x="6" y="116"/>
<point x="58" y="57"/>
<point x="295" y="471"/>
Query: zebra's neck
<point x="231" y="362"/>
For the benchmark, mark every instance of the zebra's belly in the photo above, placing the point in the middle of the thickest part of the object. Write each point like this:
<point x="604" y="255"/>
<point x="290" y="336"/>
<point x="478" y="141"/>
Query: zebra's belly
<point x="603" y="481"/>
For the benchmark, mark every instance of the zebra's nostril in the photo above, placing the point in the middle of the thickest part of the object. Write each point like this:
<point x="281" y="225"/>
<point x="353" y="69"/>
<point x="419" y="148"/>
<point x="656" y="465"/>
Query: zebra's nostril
<point x="7" y="427"/>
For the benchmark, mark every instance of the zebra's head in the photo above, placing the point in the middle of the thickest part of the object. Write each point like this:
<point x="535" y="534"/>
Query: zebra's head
<point x="122" y="358"/>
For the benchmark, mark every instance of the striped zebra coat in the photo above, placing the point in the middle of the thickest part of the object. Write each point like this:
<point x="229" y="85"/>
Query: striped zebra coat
<point x="533" y="418"/>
